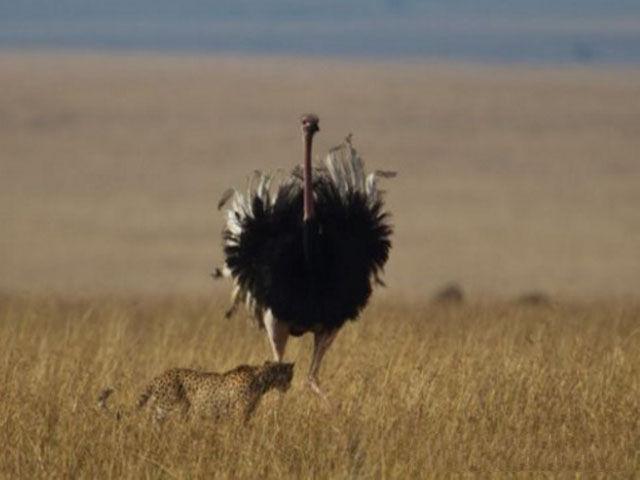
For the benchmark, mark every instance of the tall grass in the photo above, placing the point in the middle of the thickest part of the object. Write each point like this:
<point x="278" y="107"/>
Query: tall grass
<point x="414" y="389"/>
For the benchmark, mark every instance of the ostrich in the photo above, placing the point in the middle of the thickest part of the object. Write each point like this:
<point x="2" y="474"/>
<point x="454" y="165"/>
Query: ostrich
<point x="303" y="250"/>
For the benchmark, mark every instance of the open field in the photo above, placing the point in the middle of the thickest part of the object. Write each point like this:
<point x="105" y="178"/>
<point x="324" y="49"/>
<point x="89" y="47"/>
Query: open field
<point x="510" y="178"/>
<point x="485" y="387"/>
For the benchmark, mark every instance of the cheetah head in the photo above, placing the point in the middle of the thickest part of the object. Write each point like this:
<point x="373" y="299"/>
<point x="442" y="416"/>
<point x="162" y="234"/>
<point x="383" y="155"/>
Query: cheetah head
<point x="279" y="374"/>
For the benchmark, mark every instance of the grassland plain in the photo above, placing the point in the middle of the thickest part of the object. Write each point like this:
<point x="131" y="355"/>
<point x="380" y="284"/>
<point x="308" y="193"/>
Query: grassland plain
<point x="510" y="178"/>
<point x="486" y="387"/>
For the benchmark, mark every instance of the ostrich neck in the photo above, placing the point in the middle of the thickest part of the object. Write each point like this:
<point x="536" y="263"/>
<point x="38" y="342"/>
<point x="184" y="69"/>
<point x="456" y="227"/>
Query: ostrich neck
<point x="308" y="184"/>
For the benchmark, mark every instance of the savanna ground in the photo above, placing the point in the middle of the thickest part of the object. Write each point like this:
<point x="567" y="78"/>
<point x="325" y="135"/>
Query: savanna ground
<point x="511" y="179"/>
<point x="482" y="387"/>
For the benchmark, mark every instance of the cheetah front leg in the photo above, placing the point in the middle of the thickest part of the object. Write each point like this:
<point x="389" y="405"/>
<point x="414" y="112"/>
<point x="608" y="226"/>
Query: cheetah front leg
<point x="248" y="409"/>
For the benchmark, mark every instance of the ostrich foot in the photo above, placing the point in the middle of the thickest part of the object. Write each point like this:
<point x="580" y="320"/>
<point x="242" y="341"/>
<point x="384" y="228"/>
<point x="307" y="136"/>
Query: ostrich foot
<point x="312" y="383"/>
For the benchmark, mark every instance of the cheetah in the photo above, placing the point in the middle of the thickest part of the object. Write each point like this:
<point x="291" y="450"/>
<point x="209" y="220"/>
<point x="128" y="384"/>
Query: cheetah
<point x="235" y="393"/>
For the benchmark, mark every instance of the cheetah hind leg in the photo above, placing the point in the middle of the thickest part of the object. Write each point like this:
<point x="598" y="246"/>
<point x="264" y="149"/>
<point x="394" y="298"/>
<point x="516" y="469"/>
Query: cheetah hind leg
<point x="159" y="414"/>
<point x="162" y="412"/>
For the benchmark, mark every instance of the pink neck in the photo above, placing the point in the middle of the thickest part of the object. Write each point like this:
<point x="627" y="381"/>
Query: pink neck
<point x="308" y="185"/>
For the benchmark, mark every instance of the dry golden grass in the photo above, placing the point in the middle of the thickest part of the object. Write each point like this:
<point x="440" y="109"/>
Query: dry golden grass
<point x="512" y="179"/>
<point x="479" y="388"/>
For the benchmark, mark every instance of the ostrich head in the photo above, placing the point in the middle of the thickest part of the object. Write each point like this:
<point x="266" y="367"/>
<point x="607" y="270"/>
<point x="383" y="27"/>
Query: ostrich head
<point x="309" y="128"/>
<point x="309" y="124"/>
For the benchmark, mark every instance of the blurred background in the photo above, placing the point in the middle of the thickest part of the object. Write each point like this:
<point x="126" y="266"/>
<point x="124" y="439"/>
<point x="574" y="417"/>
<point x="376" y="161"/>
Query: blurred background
<point x="485" y="30"/>
<point x="514" y="126"/>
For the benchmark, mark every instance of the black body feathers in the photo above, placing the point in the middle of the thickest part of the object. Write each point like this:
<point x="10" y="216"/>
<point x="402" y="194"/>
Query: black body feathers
<point x="318" y="274"/>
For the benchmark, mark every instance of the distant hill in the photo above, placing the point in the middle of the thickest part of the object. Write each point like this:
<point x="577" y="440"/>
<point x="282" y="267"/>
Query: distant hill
<point x="484" y="30"/>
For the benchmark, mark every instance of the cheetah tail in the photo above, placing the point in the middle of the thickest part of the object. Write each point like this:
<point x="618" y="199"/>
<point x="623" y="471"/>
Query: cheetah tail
<point x="103" y="397"/>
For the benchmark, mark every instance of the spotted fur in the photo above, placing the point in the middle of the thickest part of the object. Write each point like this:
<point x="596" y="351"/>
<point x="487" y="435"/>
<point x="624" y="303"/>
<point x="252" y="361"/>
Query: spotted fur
<point x="193" y="393"/>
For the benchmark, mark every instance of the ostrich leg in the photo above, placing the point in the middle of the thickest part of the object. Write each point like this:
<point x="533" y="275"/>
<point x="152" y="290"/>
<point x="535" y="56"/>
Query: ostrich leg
<point x="321" y="343"/>
<point x="278" y="334"/>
